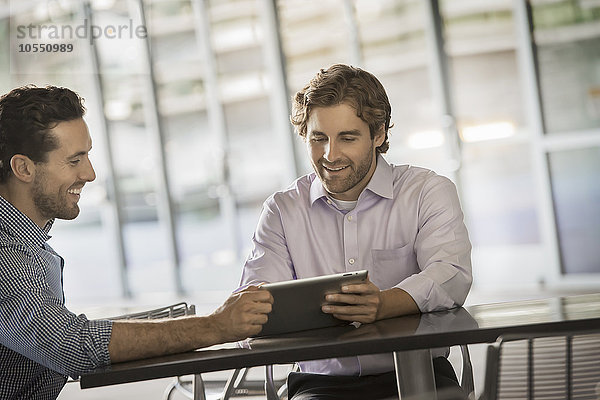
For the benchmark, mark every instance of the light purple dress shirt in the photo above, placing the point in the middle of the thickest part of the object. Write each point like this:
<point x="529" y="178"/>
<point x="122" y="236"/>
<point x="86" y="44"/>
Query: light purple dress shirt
<point x="407" y="230"/>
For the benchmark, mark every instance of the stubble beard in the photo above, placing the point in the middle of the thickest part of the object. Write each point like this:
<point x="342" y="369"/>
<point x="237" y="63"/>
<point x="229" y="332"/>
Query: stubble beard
<point x="342" y="185"/>
<point x="52" y="206"/>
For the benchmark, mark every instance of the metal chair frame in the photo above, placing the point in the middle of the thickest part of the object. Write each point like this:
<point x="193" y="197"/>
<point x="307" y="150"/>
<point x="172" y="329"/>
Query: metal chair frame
<point x="277" y="390"/>
<point x="175" y="310"/>
<point x="493" y="381"/>
<point x="172" y="311"/>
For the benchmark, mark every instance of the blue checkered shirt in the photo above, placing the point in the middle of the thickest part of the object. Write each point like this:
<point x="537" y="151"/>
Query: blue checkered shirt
<point x="41" y="342"/>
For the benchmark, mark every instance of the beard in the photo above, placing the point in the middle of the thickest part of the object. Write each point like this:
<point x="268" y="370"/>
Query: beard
<point x="342" y="184"/>
<point x="52" y="205"/>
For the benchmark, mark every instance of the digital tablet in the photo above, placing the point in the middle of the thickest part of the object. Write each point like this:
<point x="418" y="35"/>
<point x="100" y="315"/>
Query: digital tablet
<point x="297" y="303"/>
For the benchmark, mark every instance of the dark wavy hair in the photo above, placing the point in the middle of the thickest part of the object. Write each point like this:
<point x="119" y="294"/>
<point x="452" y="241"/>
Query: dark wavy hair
<point x="27" y="114"/>
<point x="349" y="85"/>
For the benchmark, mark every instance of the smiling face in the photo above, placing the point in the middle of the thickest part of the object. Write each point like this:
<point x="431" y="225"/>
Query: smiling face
<point x="341" y="150"/>
<point x="57" y="184"/>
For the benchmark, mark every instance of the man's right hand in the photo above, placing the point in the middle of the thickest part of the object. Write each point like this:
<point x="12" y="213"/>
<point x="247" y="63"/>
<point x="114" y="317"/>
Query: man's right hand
<point x="243" y="314"/>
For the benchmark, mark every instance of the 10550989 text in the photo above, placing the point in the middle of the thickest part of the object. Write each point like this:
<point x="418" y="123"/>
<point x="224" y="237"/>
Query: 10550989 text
<point x="45" y="48"/>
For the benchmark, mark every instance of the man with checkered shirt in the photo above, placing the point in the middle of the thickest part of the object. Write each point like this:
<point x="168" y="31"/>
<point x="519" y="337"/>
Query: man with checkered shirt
<point x="44" y="165"/>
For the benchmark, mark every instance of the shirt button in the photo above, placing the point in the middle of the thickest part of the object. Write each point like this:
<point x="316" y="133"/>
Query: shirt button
<point x="349" y="217"/>
<point x="328" y="201"/>
<point x="351" y="261"/>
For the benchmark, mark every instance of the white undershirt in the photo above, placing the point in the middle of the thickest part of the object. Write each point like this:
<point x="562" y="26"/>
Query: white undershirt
<point x="344" y="205"/>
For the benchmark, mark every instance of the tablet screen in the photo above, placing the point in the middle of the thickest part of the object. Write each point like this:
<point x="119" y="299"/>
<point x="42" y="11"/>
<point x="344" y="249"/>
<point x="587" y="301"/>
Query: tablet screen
<point x="297" y="303"/>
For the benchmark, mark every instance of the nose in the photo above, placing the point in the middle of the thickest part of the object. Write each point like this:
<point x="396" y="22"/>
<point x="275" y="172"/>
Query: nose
<point x="88" y="174"/>
<point x="331" y="151"/>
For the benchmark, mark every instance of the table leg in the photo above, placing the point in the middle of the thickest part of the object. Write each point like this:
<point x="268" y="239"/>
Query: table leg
<point x="198" y="388"/>
<point x="414" y="375"/>
<point x="270" y="390"/>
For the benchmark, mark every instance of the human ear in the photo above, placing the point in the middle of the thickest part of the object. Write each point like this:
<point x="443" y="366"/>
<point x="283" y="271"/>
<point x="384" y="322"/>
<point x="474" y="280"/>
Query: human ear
<point x="22" y="167"/>
<point x="379" y="136"/>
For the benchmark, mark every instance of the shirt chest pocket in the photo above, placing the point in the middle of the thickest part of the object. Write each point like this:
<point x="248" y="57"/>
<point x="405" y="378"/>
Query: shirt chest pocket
<point x="392" y="266"/>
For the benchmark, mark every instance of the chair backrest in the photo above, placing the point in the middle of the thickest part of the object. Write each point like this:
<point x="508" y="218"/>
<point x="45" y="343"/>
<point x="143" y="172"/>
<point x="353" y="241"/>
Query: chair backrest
<point x="467" y="382"/>
<point x="544" y="366"/>
<point x="172" y="311"/>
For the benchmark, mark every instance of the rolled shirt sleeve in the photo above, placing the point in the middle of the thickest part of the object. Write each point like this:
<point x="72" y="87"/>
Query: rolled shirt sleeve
<point x="442" y="248"/>
<point x="269" y="260"/>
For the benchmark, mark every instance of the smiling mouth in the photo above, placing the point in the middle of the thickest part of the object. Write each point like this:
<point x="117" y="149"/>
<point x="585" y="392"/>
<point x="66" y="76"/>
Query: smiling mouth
<point x="74" y="191"/>
<point x="336" y="169"/>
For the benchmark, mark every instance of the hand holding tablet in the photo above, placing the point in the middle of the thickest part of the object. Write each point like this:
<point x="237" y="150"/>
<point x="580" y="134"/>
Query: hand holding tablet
<point x="357" y="302"/>
<point x="298" y="303"/>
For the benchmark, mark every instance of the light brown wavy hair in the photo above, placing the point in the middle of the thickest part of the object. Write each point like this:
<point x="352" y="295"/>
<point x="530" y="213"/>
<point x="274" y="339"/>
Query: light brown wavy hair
<point x="348" y="85"/>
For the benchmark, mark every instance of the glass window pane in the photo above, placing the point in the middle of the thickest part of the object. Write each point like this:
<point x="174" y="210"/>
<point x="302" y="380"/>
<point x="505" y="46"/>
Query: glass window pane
<point x="314" y="35"/>
<point x="86" y="243"/>
<point x="395" y="49"/>
<point x="212" y="174"/>
<point x="497" y="176"/>
<point x="576" y="192"/>
<point x="498" y="194"/>
<point x="127" y="104"/>
<point x="567" y="34"/>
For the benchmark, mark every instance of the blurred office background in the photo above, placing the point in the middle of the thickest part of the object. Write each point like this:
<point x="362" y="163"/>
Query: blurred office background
<point x="191" y="132"/>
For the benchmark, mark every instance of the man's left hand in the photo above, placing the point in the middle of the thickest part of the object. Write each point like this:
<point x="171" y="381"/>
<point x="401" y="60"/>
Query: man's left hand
<point x="359" y="303"/>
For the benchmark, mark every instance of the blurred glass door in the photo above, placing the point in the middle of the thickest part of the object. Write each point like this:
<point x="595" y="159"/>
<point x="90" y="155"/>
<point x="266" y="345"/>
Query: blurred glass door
<point x="567" y="39"/>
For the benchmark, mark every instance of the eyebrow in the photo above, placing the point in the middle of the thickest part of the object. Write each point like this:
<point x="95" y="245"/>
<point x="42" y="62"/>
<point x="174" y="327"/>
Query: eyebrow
<point x="353" y="132"/>
<point x="79" y="153"/>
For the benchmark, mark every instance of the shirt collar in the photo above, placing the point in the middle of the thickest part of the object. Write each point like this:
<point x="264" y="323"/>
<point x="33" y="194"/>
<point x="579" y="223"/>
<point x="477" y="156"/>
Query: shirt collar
<point x="381" y="182"/>
<point x="21" y="226"/>
<point x="317" y="190"/>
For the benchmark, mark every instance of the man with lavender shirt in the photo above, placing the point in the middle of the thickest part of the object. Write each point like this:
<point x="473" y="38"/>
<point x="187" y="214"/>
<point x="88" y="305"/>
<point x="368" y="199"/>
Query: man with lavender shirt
<point x="403" y="224"/>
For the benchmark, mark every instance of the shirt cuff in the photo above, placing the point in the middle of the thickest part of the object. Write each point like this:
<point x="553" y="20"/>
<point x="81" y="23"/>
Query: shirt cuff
<point x="99" y="333"/>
